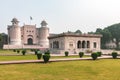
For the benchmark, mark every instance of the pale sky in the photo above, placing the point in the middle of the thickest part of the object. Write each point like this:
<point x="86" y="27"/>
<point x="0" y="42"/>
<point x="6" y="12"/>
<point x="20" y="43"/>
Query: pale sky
<point x="61" y="15"/>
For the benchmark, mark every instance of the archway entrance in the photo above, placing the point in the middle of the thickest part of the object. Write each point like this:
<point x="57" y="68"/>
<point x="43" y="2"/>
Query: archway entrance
<point x="30" y="41"/>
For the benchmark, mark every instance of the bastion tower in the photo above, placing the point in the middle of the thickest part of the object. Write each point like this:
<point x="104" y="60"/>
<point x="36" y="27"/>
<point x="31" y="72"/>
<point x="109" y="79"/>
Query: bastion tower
<point x="14" y="32"/>
<point x="43" y="34"/>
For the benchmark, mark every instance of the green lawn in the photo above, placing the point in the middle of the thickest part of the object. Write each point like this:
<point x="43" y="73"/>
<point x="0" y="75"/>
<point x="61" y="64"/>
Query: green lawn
<point x="19" y="56"/>
<point x="104" y="69"/>
<point x="7" y="52"/>
<point x="10" y="52"/>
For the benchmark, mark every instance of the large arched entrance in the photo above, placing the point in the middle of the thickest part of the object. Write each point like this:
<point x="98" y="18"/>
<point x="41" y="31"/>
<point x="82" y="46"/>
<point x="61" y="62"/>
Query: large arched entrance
<point x="30" y="41"/>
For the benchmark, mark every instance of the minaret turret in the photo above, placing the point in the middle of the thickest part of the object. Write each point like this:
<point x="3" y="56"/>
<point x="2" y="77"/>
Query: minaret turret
<point x="44" y="34"/>
<point x="14" y="32"/>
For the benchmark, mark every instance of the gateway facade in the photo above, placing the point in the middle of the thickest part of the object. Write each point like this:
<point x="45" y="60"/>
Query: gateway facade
<point x="27" y="36"/>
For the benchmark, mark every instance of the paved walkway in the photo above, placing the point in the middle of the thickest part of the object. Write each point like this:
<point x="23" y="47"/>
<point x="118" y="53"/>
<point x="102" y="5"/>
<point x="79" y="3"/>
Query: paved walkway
<point x="19" y="54"/>
<point x="51" y="60"/>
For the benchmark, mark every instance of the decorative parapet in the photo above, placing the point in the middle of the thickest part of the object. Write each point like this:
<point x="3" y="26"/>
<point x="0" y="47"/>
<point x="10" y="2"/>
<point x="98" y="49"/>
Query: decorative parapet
<point x="75" y="35"/>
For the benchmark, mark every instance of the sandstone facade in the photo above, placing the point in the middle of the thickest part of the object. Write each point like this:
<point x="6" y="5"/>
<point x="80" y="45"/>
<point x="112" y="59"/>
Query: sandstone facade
<point x="28" y="35"/>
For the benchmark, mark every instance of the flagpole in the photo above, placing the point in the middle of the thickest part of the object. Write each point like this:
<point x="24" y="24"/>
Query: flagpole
<point x="30" y="20"/>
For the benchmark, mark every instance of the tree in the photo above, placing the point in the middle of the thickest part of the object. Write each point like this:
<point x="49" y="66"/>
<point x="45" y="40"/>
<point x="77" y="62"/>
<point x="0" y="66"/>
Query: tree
<point x="106" y="36"/>
<point x="98" y="31"/>
<point x="3" y="39"/>
<point x="91" y="32"/>
<point x="115" y="32"/>
<point x="109" y="33"/>
<point x="78" y="31"/>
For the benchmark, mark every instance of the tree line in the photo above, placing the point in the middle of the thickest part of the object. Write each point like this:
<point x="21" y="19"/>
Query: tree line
<point x="3" y="39"/>
<point x="110" y="34"/>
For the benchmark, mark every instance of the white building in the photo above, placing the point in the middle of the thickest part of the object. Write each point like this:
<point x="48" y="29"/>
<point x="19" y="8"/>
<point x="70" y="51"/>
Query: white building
<point x="74" y="43"/>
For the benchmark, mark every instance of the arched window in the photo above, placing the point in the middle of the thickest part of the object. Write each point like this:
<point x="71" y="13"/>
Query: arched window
<point x="88" y="44"/>
<point x="56" y="44"/>
<point x="50" y="45"/>
<point x="95" y="45"/>
<point x="83" y="44"/>
<point x="79" y="44"/>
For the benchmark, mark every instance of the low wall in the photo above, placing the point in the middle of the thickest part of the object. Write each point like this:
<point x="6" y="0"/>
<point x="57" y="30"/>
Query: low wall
<point x="109" y="51"/>
<point x="23" y="47"/>
<point x="53" y="51"/>
<point x="72" y="52"/>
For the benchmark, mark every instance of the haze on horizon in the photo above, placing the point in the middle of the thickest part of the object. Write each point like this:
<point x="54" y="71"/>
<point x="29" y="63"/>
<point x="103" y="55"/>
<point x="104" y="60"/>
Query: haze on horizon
<point x="61" y="15"/>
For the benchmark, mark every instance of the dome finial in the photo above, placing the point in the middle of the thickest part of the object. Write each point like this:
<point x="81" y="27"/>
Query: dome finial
<point x="44" y="23"/>
<point x="15" y="21"/>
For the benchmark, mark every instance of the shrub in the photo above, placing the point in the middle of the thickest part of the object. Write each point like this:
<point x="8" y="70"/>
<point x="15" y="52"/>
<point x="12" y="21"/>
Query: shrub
<point x="18" y="51"/>
<point x="14" y="50"/>
<point x="39" y="55"/>
<point x="81" y="54"/>
<point x="94" y="56"/>
<point x="35" y="52"/>
<point x="114" y="55"/>
<point x="46" y="57"/>
<point x="99" y="54"/>
<point x="31" y="50"/>
<point x="66" y="53"/>
<point x="23" y="52"/>
<point x="47" y="52"/>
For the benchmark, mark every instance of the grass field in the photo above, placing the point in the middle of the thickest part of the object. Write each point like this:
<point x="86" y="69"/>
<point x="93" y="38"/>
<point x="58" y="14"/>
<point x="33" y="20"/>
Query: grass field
<point x="19" y="56"/>
<point x="7" y="52"/>
<point x="104" y="69"/>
